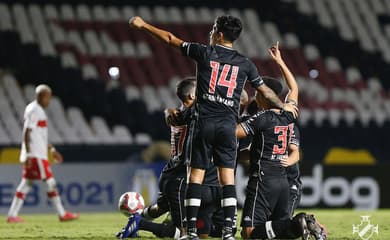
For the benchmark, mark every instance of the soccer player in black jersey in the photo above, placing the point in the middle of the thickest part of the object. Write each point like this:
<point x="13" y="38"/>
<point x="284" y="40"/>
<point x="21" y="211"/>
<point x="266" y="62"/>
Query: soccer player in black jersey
<point x="265" y="214"/>
<point x="172" y="182"/>
<point x="173" y="179"/>
<point x="290" y="161"/>
<point x="221" y="75"/>
<point x="292" y="170"/>
<point x="210" y="219"/>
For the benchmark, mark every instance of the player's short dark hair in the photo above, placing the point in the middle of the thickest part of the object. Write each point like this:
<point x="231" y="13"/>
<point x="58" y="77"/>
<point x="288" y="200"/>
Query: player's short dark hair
<point x="230" y="26"/>
<point x="184" y="87"/>
<point x="274" y="84"/>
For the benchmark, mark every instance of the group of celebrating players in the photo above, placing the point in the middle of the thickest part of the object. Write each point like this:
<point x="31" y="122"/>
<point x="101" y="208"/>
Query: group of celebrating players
<point x="197" y="186"/>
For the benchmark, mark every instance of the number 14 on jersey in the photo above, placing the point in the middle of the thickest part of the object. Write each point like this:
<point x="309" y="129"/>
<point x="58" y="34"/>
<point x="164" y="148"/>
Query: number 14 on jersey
<point x="231" y="84"/>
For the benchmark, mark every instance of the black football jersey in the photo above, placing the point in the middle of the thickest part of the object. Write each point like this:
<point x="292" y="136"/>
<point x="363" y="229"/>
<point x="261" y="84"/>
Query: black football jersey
<point x="221" y="76"/>
<point x="293" y="172"/>
<point x="271" y="133"/>
<point x="180" y="148"/>
<point x="179" y="139"/>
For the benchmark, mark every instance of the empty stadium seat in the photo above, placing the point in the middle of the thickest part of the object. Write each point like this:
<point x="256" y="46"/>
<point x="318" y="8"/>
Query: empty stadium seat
<point x="14" y="95"/>
<point x="304" y="116"/>
<point x="68" y="60"/>
<point x="67" y="12"/>
<point x="5" y="18"/>
<point x="4" y="138"/>
<point x="122" y="135"/>
<point x="142" y="139"/>
<point x="90" y="38"/>
<point x="54" y="136"/>
<point x="78" y="122"/>
<point x="89" y="71"/>
<point x="11" y="124"/>
<point x="29" y="93"/>
<point x="50" y="12"/>
<point x="57" y="114"/>
<point x="319" y="116"/>
<point x="102" y="131"/>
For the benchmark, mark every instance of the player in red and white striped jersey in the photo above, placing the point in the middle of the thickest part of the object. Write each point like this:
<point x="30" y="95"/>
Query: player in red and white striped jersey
<point x="34" y="156"/>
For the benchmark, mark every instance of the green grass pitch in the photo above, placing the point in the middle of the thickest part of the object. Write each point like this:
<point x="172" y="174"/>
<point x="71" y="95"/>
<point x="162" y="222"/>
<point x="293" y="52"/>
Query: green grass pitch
<point x="105" y="225"/>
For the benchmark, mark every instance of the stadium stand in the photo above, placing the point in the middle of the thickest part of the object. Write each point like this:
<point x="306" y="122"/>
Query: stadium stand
<point x="340" y="58"/>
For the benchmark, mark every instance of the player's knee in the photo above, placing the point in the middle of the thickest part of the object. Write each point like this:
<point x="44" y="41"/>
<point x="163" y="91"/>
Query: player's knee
<point x="246" y="232"/>
<point x="225" y="182"/>
<point x="196" y="179"/>
<point x="51" y="185"/>
<point x="226" y="176"/>
<point x="24" y="186"/>
<point x="197" y="175"/>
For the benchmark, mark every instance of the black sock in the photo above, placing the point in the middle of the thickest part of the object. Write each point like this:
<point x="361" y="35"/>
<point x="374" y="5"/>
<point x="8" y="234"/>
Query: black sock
<point x="192" y="204"/>
<point x="161" y="230"/>
<point x="229" y="204"/>
<point x="259" y="232"/>
<point x="151" y="212"/>
<point x="285" y="229"/>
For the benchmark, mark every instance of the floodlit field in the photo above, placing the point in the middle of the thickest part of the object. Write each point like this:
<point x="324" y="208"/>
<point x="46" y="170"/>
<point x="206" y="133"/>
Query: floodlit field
<point x="105" y="225"/>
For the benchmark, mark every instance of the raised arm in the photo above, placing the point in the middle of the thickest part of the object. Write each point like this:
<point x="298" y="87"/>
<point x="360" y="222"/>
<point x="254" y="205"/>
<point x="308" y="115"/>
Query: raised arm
<point x="274" y="100"/>
<point x="269" y="95"/>
<point x="162" y="35"/>
<point x="293" y="93"/>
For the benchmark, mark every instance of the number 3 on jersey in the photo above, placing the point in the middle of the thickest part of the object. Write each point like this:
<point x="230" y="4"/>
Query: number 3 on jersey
<point x="231" y="84"/>
<point x="281" y="132"/>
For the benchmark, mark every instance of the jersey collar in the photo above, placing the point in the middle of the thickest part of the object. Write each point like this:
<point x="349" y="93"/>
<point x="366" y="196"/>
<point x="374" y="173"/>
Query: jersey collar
<point x="222" y="46"/>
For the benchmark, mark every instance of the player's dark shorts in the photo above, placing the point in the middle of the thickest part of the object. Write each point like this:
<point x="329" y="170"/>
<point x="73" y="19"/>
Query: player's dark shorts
<point x="266" y="199"/>
<point x="171" y="197"/>
<point x="295" y="196"/>
<point x="214" y="138"/>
